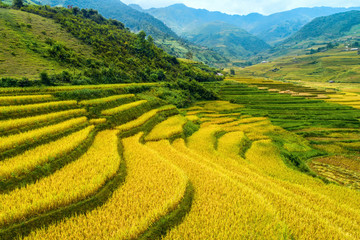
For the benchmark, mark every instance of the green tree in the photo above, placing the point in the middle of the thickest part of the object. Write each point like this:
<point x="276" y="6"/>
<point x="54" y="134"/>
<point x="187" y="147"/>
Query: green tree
<point x="45" y="79"/>
<point x="189" y="55"/>
<point x="18" y="3"/>
<point x="150" y="40"/>
<point x="232" y="71"/>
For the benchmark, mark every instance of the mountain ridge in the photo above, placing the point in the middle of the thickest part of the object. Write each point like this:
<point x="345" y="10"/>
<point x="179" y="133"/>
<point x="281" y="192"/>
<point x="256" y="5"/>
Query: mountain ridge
<point x="272" y="28"/>
<point x="230" y="40"/>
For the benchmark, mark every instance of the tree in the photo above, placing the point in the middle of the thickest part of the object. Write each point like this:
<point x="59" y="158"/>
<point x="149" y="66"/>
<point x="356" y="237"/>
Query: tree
<point x="150" y="40"/>
<point x="232" y="71"/>
<point x="189" y="55"/>
<point x="18" y="3"/>
<point x="45" y="79"/>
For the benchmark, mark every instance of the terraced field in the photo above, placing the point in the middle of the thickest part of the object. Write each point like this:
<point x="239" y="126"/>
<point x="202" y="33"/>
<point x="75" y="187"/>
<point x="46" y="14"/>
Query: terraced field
<point x="330" y="125"/>
<point x="117" y="166"/>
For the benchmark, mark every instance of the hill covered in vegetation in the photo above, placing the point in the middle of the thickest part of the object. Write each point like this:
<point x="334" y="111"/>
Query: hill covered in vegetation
<point x="335" y="64"/>
<point x="230" y="40"/>
<point x="138" y="21"/>
<point x="320" y="35"/>
<point x="81" y="47"/>
<point x="329" y="27"/>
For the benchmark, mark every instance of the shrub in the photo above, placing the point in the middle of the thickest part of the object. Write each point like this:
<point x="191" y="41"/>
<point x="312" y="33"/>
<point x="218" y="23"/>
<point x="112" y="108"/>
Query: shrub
<point x="45" y="79"/>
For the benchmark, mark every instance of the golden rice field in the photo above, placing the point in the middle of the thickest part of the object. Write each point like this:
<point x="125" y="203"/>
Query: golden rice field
<point x="216" y="170"/>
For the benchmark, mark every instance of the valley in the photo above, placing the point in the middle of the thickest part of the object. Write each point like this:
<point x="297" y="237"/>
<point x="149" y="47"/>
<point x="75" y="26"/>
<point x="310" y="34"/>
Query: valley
<point x="116" y="125"/>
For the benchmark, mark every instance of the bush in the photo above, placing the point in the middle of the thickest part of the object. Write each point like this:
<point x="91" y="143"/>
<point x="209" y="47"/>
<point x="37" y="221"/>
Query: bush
<point x="86" y="94"/>
<point x="24" y="82"/>
<point x="190" y="128"/>
<point x="45" y="79"/>
<point x="18" y="3"/>
<point x="8" y="82"/>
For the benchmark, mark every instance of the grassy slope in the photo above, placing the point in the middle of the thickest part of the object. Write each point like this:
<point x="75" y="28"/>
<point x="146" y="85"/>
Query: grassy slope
<point x="164" y="37"/>
<point x="334" y="65"/>
<point x="84" y="47"/>
<point x="341" y="28"/>
<point x="19" y="32"/>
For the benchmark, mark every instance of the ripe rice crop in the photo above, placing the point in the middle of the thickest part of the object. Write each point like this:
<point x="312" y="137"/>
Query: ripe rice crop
<point x="28" y="160"/>
<point x="210" y="121"/>
<point x="123" y="108"/>
<point x="199" y="112"/>
<point x="193" y="118"/>
<point x="97" y="121"/>
<point x="221" y="106"/>
<point x="152" y="188"/>
<point x="19" y="123"/>
<point x="143" y="118"/>
<point x="70" y="88"/>
<point x="12" y="100"/>
<point x="98" y="101"/>
<point x="34" y="108"/>
<point x="12" y="141"/>
<point x="166" y="129"/>
<point x="264" y="156"/>
<point x="75" y="181"/>
<point x="222" y="115"/>
<point x="232" y="144"/>
<point x="222" y="208"/>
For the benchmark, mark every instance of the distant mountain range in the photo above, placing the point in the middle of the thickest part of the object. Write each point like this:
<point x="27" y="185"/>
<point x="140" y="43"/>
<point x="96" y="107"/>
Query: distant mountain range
<point x="230" y="40"/>
<point x="272" y="29"/>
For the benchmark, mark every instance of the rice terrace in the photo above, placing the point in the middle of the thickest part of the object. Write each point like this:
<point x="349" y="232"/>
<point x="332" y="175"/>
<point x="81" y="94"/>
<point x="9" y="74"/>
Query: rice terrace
<point x="111" y="132"/>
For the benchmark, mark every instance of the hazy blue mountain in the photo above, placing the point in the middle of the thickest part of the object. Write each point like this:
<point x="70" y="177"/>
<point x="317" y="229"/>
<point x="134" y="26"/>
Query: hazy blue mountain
<point x="230" y="40"/>
<point x="272" y="29"/>
<point x="136" y="7"/>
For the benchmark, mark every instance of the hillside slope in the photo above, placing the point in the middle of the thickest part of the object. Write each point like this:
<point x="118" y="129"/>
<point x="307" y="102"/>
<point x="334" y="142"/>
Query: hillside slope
<point x="329" y="27"/>
<point x="23" y="35"/>
<point x="233" y="42"/>
<point x="164" y="37"/>
<point x="320" y="35"/>
<point x="334" y="65"/>
<point x="81" y="47"/>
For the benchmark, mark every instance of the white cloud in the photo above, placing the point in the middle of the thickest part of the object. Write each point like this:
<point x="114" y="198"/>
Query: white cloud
<point x="245" y="6"/>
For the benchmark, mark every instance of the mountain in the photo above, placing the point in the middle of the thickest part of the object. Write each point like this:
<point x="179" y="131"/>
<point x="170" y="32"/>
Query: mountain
<point x="332" y="65"/>
<point x="115" y="9"/>
<point x="272" y="29"/>
<point x="73" y="46"/>
<point x="136" y="7"/>
<point x="329" y="27"/>
<point x="320" y="35"/>
<point x="231" y="41"/>
<point x="9" y="2"/>
<point x="137" y="21"/>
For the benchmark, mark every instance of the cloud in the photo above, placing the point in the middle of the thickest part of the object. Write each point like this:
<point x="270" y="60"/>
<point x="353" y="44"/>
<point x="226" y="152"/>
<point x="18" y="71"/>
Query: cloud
<point x="245" y="6"/>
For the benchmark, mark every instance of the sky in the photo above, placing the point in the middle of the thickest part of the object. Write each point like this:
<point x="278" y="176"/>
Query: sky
<point x="242" y="7"/>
